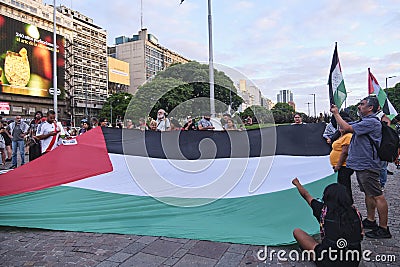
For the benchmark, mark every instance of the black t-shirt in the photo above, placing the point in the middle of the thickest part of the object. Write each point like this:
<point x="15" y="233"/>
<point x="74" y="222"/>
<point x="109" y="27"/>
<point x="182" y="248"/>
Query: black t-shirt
<point x="191" y="127"/>
<point x="331" y="225"/>
<point x="333" y="232"/>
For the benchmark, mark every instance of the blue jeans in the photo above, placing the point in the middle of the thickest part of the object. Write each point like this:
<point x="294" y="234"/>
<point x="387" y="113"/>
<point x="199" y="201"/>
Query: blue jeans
<point x="15" y="145"/>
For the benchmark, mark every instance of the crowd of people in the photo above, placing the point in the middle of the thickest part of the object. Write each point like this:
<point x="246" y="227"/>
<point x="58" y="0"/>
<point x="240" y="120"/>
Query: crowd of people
<point x="42" y="134"/>
<point x="354" y="150"/>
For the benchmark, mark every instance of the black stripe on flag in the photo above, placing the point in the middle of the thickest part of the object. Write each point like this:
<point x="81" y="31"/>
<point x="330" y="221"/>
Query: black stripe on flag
<point x="295" y="140"/>
<point x="335" y="61"/>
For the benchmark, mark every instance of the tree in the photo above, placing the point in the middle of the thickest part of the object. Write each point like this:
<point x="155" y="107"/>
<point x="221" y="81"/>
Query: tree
<point x="352" y="110"/>
<point x="393" y="95"/>
<point x="283" y="112"/>
<point x="119" y="103"/>
<point x="258" y="114"/>
<point x="183" y="89"/>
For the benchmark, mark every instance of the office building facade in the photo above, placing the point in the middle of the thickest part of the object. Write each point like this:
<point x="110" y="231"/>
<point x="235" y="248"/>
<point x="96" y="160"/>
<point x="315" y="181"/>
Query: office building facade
<point x="284" y="96"/>
<point x="145" y="56"/>
<point x="81" y="61"/>
<point x="86" y="68"/>
<point x="252" y="95"/>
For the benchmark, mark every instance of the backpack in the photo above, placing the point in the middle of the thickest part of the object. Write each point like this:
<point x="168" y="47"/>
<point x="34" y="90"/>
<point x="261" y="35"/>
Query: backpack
<point x="388" y="149"/>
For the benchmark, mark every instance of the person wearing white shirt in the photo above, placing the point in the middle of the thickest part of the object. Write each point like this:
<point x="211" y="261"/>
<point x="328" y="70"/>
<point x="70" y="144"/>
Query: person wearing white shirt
<point x="163" y="123"/>
<point x="48" y="133"/>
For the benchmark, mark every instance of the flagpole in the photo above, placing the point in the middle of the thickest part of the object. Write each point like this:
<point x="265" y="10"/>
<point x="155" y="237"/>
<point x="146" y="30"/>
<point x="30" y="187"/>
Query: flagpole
<point x="55" y="60"/>
<point x="211" y="61"/>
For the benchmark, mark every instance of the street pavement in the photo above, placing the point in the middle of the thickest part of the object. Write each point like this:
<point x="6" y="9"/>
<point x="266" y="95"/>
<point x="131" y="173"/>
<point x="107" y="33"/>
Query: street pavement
<point x="37" y="247"/>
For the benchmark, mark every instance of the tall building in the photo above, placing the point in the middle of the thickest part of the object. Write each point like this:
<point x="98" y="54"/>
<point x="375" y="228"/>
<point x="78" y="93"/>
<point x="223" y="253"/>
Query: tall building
<point x="145" y="56"/>
<point x="267" y="103"/>
<point x="81" y="60"/>
<point x="86" y="68"/>
<point x="26" y="64"/>
<point x="284" y="96"/>
<point x="251" y="95"/>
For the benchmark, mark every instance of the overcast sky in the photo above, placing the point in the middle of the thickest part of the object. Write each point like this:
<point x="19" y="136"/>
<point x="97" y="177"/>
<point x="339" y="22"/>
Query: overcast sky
<point x="278" y="45"/>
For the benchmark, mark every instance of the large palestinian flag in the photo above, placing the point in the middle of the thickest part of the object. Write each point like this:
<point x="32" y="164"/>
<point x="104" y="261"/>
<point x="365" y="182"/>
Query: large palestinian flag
<point x="219" y="186"/>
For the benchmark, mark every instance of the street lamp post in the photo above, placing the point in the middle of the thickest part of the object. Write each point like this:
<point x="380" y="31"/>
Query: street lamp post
<point x="315" y="112"/>
<point x="211" y="61"/>
<point x="308" y="106"/>
<point x="111" y="112"/>
<point x="55" y="59"/>
<point x="345" y="100"/>
<point x="85" y="87"/>
<point x="387" y="78"/>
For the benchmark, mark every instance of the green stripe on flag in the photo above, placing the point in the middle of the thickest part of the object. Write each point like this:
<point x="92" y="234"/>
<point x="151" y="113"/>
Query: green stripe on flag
<point x="340" y="94"/>
<point x="267" y="219"/>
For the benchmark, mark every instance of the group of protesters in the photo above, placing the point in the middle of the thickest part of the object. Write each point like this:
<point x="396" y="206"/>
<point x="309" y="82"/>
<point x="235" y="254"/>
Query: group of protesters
<point x="355" y="147"/>
<point x="42" y="133"/>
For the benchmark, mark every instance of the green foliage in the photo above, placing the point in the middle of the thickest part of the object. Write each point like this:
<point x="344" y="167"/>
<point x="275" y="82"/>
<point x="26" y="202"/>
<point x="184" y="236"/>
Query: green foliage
<point x="394" y="96"/>
<point x="353" y="112"/>
<point x="258" y="113"/>
<point x="119" y="102"/>
<point x="183" y="89"/>
<point x="283" y="113"/>
<point x="284" y="107"/>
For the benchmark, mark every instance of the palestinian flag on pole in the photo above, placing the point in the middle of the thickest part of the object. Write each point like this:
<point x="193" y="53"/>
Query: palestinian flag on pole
<point x="374" y="88"/>
<point x="337" y="90"/>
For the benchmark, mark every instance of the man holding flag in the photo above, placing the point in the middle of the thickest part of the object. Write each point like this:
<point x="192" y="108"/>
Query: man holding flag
<point x="367" y="164"/>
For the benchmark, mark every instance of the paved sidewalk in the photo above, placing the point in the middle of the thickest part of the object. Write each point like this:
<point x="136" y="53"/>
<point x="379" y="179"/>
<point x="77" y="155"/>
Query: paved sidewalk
<point x="35" y="247"/>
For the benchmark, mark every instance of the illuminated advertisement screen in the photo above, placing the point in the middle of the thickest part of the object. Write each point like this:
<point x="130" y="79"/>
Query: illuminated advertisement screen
<point x="26" y="59"/>
<point x="118" y="71"/>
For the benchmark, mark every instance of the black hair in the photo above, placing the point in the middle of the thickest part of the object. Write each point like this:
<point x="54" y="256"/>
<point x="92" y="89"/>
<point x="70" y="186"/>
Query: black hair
<point x="39" y="112"/>
<point x="337" y="197"/>
<point x="51" y="112"/>
<point x="339" y="202"/>
<point x="372" y="101"/>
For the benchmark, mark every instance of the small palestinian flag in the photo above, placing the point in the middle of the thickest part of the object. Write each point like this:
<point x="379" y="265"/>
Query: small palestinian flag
<point x="337" y="90"/>
<point x="374" y="88"/>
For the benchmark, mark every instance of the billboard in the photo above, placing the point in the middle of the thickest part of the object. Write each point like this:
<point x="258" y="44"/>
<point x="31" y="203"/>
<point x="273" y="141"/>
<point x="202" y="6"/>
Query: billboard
<point x="4" y="108"/>
<point x="26" y="59"/>
<point x="118" y="71"/>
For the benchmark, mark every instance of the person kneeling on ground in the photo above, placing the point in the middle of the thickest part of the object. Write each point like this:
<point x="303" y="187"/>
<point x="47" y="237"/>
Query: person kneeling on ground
<point x="340" y="227"/>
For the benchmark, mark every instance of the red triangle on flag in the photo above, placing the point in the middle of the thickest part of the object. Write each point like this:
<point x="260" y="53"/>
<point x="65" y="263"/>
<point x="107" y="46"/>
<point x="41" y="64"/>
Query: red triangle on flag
<point x="62" y="165"/>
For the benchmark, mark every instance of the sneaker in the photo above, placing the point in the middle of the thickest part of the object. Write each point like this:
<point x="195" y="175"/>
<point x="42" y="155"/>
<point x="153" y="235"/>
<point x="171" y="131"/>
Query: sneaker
<point x="367" y="224"/>
<point x="8" y="160"/>
<point x="379" y="233"/>
<point x="13" y="167"/>
<point x="389" y="172"/>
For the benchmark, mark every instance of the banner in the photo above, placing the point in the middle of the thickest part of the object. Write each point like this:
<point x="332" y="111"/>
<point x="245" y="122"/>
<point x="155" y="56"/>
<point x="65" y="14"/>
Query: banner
<point x="26" y="59"/>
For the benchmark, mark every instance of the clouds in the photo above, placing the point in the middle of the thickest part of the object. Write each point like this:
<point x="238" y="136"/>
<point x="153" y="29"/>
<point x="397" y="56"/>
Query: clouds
<point x="277" y="44"/>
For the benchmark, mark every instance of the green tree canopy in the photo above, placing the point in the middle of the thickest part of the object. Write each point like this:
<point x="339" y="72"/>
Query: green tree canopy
<point x="258" y="113"/>
<point x="394" y="96"/>
<point x="183" y="89"/>
<point x="119" y="102"/>
<point x="283" y="112"/>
